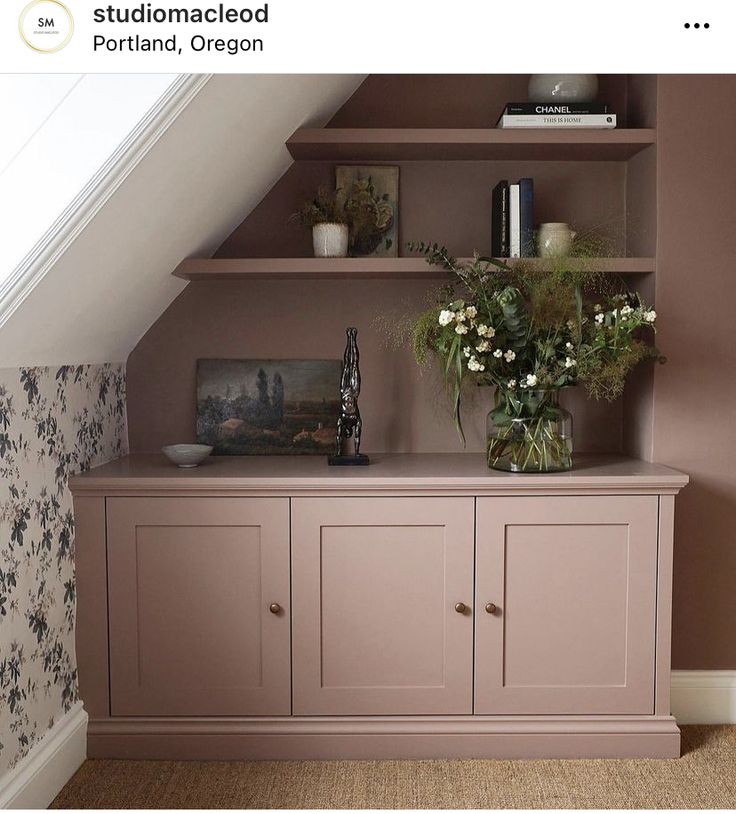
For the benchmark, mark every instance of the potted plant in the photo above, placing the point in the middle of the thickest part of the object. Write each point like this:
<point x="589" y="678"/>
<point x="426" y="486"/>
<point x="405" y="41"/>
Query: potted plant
<point x="325" y="215"/>
<point x="531" y="330"/>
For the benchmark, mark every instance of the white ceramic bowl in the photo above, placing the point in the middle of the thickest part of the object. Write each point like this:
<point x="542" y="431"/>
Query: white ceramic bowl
<point x="186" y="456"/>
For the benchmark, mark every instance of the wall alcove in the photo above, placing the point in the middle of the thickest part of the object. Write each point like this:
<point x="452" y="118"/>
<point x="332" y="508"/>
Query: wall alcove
<point x="262" y="295"/>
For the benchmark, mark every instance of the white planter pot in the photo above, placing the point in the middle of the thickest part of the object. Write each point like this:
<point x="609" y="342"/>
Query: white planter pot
<point x="555" y="239"/>
<point x="563" y="87"/>
<point x="330" y="240"/>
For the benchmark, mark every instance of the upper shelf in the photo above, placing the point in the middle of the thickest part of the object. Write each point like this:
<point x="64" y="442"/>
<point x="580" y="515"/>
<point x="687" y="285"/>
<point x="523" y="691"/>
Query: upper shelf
<point x="347" y="267"/>
<point x="429" y="144"/>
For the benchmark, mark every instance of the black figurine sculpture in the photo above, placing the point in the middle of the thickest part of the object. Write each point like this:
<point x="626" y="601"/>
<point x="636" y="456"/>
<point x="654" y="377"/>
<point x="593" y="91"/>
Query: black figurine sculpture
<point x="350" y="423"/>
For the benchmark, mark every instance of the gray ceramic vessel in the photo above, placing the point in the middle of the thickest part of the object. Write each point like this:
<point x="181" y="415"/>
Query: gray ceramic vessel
<point x="186" y="456"/>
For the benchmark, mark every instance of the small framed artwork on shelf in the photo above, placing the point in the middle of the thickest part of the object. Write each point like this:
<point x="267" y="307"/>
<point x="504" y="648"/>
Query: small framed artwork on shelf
<point x="370" y="196"/>
<point x="268" y="406"/>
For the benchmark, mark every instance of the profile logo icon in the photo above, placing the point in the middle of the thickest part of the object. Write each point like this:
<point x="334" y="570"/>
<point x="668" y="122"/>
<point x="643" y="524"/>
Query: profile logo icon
<point x="46" y="25"/>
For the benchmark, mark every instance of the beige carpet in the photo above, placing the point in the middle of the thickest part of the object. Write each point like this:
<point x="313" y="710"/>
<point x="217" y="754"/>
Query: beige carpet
<point x="705" y="777"/>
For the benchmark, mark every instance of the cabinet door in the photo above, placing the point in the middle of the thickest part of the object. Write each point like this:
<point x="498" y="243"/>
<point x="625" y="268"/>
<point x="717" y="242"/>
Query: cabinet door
<point x="190" y="585"/>
<point x="375" y="583"/>
<point x="574" y="582"/>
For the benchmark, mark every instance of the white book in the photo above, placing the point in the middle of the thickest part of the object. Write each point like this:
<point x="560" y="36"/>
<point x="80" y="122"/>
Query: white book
<point x="514" y="221"/>
<point x="597" y="121"/>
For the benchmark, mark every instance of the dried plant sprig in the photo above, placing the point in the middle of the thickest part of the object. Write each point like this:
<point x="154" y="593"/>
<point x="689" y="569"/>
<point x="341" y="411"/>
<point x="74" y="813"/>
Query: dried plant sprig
<point x="325" y="206"/>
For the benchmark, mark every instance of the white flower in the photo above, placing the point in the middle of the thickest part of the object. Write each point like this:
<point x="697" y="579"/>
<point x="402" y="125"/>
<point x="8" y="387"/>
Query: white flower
<point x="509" y="356"/>
<point x="461" y="329"/>
<point x="446" y="317"/>
<point x="483" y="346"/>
<point x="531" y="380"/>
<point x="569" y="362"/>
<point x="568" y="346"/>
<point x="486" y="330"/>
<point x="498" y="353"/>
<point x="597" y="308"/>
<point x="471" y="311"/>
<point x="626" y="310"/>
<point x="460" y="316"/>
<point x="475" y="365"/>
<point x="599" y="318"/>
<point x="650" y="316"/>
<point x="466" y="351"/>
<point x="511" y="384"/>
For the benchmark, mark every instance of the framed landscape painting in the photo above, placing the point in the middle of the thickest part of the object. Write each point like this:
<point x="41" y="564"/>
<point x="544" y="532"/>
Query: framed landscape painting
<point x="268" y="406"/>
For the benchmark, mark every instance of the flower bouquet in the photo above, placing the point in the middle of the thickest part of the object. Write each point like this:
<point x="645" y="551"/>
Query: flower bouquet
<point x="531" y="330"/>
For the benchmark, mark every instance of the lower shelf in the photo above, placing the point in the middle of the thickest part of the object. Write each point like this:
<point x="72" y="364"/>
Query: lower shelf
<point x="363" y="738"/>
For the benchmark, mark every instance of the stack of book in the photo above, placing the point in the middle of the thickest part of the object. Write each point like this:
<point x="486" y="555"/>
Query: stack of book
<point x="563" y="114"/>
<point x="512" y="219"/>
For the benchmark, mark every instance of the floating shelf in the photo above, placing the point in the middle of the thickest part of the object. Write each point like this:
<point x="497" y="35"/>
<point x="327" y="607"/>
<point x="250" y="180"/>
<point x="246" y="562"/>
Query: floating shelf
<point x="350" y="267"/>
<point x="429" y="144"/>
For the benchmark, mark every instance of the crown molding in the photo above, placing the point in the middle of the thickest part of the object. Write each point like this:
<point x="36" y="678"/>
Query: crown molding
<point x="98" y="190"/>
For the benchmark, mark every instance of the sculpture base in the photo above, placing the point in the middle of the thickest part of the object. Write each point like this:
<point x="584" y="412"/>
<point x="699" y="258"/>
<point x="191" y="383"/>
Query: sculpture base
<point x="348" y="460"/>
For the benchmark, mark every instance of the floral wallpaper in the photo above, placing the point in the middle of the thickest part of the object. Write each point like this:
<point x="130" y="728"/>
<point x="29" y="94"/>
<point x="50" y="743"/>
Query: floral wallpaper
<point x="54" y="422"/>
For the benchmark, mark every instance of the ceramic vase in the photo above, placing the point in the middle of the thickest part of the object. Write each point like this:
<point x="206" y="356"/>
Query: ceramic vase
<point x="330" y="240"/>
<point x="563" y="87"/>
<point x="555" y="239"/>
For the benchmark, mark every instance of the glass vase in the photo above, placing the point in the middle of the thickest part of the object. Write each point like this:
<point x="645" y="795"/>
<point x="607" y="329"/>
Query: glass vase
<point x="528" y="431"/>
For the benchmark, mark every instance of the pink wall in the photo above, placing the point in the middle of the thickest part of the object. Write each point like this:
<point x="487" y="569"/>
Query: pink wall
<point x="403" y="408"/>
<point x="695" y="393"/>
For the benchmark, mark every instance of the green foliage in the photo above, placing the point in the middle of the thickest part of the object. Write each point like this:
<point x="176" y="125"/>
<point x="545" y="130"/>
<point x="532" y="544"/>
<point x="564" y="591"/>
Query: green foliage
<point x="515" y="317"/>
<point x="424" y="334"/>
<point x="436" y="255"/>
<point x="531" y="325"/>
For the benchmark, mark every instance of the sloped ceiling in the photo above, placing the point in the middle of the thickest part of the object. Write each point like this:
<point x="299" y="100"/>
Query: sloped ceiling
<point x="198" y="182"/>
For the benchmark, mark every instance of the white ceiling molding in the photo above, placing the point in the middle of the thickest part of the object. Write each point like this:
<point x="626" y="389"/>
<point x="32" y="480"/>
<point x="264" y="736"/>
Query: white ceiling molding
<point x="109" y="282"/>
<point x="24" y="278"/>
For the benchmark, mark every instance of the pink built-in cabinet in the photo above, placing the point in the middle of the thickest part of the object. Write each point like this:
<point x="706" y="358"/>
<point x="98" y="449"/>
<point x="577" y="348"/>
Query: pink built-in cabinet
<point x="190" y="588"/>
<point x="574" y="581"/>
<point x="419" y="607"/>
<point x="376" y="581"/>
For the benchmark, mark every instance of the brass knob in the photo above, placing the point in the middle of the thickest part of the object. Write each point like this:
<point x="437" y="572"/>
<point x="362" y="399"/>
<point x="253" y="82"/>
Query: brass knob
<point x="491" y="608"/>
<point x="460" y="607"/>
<point x="274" y="607"/>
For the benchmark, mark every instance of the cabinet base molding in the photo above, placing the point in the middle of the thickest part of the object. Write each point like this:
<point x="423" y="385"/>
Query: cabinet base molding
<point x="363" y="738"/>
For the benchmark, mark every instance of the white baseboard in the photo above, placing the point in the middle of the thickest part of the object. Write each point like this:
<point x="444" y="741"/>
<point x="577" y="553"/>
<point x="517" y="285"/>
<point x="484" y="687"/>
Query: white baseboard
<point x="698" y="697"/>
<point x="42" y="773"/>
<point x="704" y="696"/>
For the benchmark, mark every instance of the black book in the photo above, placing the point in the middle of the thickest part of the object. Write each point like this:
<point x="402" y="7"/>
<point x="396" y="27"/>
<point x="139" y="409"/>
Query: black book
<point x="554" y="108"/>
<point x="500" y="220"/>
<point x="526" y="217"/>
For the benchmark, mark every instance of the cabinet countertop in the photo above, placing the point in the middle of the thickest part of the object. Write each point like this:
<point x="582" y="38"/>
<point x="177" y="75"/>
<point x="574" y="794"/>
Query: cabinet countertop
<point x="421" y="473"/>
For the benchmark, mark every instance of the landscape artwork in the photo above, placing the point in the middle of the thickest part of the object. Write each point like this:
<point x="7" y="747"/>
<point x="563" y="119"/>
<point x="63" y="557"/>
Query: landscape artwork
<point x="268" y="407"/>
<point x="372" y="197"/>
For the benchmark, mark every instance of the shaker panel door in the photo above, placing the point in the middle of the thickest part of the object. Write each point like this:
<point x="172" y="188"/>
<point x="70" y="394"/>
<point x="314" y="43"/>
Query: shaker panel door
<point x="574" y="584"/>
<point x="375" y="584"/>
<point x="190" y="585"/>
